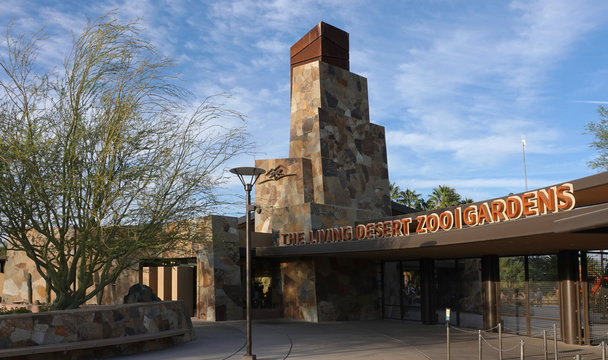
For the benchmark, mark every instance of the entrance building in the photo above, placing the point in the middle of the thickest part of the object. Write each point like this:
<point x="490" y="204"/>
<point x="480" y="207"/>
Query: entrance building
<point x="330" y="245"/>
<point x="338" y="249"/>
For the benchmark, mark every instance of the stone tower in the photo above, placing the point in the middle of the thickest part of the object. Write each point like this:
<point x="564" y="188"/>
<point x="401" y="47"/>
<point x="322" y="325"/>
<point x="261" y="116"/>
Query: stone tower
<point x="337" y="171"/>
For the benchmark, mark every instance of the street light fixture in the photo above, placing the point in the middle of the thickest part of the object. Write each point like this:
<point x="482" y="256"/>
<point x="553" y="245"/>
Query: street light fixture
<point x="248" y="176"/>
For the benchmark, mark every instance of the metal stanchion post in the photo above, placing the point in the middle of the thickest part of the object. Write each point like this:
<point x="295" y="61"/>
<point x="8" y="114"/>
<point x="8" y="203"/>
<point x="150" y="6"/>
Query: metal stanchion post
<point x="521" y="349"/>
<point x="545" y="344"/>
<point x="447" y="329"/>
<point x="499" y="341"/>
<point x="603" y="350"/>
<point x="479" y="340"/>
<point x="555" y="341"/>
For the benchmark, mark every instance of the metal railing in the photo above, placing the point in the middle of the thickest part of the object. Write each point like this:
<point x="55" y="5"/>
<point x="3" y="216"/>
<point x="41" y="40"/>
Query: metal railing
<point x="483" y="337"/>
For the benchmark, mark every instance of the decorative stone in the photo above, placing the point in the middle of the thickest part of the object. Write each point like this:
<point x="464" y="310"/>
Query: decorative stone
<point x="40" y="334"/>
<point x="20" y="335"/>
<point x="140" y="293"/>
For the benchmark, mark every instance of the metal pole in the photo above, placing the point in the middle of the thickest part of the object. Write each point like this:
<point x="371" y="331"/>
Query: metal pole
<point x="603" y="350"/>
<point x="554" y="341"/>
<point x="523" y="147"/>
<point x="479" y="343"/>
<point x="248" y="356"/>
<point x="521" y="349"/>
<point x="499" y="341"/>
<point x="447" y="329"/>
<point x="545" y="344"/>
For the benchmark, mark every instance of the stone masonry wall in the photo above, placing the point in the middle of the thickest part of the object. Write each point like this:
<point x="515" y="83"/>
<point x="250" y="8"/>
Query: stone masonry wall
<point x="15" y="289"/>
<point x="94" y="323"/>
<point x="337" y="157"/>
<point x="336" y="175"/>
<point x="299" y="295"/>
<point x="219" y="272"/>
<point x="347" y="289"/>
<point x="330" y="125"/>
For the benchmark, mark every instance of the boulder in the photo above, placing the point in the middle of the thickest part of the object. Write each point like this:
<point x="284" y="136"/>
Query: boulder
<point x="139" y="293"/>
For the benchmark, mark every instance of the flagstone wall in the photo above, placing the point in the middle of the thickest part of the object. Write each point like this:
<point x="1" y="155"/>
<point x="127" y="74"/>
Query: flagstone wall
<point x="95" y="323"/>
<point x="336" y="175"/>
<point x="219" y="291"/>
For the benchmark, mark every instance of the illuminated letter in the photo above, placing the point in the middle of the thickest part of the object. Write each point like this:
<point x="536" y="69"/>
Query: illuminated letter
<point x="369" y="231"/>
<point x="378" y="230"/>
<point x="483" y="214"/>
<point x="446" y="220"/>
<point x="360" y="231"/>
<point x="396" y="230"/>
<point x="293" y="237"/>
<point x="546" y="200"/>
<point x="348" y="233"/>
<point x="406" y="225"/>
<point x="322" y="236"/>
<point x="387" y="228"/>
<point x="469" y="215"/>
<point x="285" y="238"/>
<point x="432" y="222"/>
<point x="457" y="218"/>
<point x="528" y="204"/>
<point x="498" y="210"/>
<point x="513" y="207"/>
<point x="300" y="238"/>
<point x="565" y="196"/>
<point x="337" y="234"/>
<point x="421" y="229"/>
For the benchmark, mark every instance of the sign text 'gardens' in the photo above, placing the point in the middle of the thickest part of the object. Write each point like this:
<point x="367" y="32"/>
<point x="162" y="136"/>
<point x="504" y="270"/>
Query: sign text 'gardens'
<point x="534" y="203"/>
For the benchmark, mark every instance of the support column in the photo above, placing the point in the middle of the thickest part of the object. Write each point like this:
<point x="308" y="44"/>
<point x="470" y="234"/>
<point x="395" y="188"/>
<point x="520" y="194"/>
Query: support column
<point x="567" y="265"/>
<point x="490" y="280"/>
<point x="427" y="296"/>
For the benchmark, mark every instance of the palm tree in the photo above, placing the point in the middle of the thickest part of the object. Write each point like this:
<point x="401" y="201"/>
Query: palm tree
<point x="396" y="193"/>
<point x="413" y="199"/>
<point x="443" y="196"/>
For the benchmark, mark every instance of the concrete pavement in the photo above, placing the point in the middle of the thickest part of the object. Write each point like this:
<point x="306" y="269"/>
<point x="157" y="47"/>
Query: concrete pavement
<point x="386" y="339"/>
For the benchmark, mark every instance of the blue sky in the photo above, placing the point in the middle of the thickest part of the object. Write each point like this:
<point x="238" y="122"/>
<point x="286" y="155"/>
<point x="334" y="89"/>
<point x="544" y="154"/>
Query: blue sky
<point x="456" y="84"/>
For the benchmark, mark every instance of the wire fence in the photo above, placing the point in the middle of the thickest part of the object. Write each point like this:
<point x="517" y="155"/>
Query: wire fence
<point x="490" y="344"/>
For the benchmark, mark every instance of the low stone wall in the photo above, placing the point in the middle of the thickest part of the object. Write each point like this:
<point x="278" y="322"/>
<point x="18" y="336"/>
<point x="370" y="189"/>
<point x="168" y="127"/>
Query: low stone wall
<point x="93" y="323"/>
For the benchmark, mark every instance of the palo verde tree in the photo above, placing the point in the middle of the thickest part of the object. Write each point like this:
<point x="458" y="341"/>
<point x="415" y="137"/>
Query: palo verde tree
<point x="103" y="161"/>
<point x="599" y="130"/>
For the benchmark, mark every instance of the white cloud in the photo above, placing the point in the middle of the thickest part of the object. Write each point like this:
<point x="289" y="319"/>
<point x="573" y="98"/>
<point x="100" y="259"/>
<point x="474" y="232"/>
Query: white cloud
<point x="594" y="102"/>
<point x="472" y="88"/>
<point x="455" y="85"/>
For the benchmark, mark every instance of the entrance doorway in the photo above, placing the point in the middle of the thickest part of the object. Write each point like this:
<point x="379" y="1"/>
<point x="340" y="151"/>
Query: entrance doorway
<point x="458" y="287"/>
<point x="456" y="284"/>
<point x="401" y="290"/>
<point x="171" y="279"/>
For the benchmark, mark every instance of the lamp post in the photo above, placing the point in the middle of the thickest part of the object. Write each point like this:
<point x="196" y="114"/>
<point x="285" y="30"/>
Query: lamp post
<point x="253" y="174"/>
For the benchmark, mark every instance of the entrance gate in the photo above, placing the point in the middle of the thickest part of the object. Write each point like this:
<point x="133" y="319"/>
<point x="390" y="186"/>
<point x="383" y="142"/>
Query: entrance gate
<point x="529" y="294"/>
<point x="597" y="290"/>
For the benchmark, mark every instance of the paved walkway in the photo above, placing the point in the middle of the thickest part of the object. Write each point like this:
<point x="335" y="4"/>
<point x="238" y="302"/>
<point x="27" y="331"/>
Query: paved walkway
<point x="387" y="339"/>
